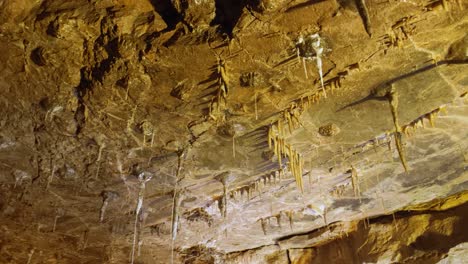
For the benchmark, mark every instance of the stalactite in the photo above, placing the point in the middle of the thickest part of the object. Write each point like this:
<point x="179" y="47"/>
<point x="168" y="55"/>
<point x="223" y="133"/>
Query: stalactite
<point x="430" y="117"/>
<point x="140" y="243"/>
<point x="222" y="89"/>
<point x="51" y="177"/>
<point x="224" y="202"/>
<point x="279" y="152"/>
<point x="30" y="255"/>
<point x="98" y="160"/>
<point x="107" y="196"/>
<point x="59" y="212"/>
<point x="278" y="220"/>
<point x="305" y="68"/>
<point x="280" y="128"/>
<point x="287" y="116"/>
<point x="355" y="183"/>
<point x="270" y="139"/>
<point x="256" y="110"/>
<point x="234" y="146"/>
<point x="264" y="225"/>
<point x="224" y="178"/>
<point x="316" y="45"/>
<point x="280" y="149"/>
<point x="393" y="100"/>
<point x="290" y="218"/>
<point x="85" y="239"/>
<point x="275" y="146"/>
<point x="311" y="48"/>
<point x="410" y="128"/>
<point x="175" y="216"/>
<point x="143" y="178"/>
<point x="395" y="224"/>
<point x="176" y="200"/>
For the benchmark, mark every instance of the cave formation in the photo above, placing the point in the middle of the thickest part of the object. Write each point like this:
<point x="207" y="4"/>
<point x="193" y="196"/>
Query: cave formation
<point x="233" y="131"/>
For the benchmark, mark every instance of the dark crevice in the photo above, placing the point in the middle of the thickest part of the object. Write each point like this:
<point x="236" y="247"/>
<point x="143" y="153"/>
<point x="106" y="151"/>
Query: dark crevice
<point x="167" y="12"/>
<point x="37" y="56"/>
<point x="388" y="83"/>
<point x="84" y="86"/>
<point x="174" y="21"/>
<point x="173" y="39"/>
<point x="110" y="42"/>
<point x="80" y="91"/>
<point x="228" y="13"/>
<point x="52" y="28"/>
<point x="251" y="249"/>
<point x="79" y="118"/>
<point x="288" y="256"/>
<point x="106" y="64"/>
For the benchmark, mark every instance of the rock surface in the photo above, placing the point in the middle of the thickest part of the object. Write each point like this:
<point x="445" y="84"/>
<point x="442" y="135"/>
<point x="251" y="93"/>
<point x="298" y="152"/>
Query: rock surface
<point x="246" y="156"/>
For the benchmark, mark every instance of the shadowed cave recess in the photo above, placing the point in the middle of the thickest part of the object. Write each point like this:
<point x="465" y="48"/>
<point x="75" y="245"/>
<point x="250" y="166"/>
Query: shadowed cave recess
<point x="233" y="131"/>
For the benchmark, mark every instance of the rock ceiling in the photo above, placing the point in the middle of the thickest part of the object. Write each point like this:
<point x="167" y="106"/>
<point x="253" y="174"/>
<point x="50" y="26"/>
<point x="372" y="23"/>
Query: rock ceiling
<point x="211" y="127"/>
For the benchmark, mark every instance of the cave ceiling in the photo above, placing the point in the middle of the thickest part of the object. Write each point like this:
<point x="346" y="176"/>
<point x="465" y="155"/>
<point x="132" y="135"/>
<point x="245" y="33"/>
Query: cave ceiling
<point x="234" y="125"/>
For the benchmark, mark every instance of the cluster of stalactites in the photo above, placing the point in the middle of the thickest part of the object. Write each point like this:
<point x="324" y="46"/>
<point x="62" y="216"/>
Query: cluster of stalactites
<point x="221" y="91"/>
<point x="266" y="221"/>
<point x="248" y="191"/>
<point x="276" y="142"/>
<point x="409" y="129"/>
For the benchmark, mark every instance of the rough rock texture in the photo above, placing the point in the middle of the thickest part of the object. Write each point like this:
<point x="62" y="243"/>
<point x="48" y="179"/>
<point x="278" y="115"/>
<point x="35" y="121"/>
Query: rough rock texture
<point x="203" y="128"/>
<point x="416" y="235"/>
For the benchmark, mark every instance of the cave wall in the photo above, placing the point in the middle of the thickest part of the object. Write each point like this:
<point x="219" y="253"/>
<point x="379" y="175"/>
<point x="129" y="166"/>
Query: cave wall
<point x="158" y="131"/>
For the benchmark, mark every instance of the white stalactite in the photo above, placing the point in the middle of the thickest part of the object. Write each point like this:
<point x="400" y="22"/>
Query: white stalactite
<point x="143" y="178"/>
